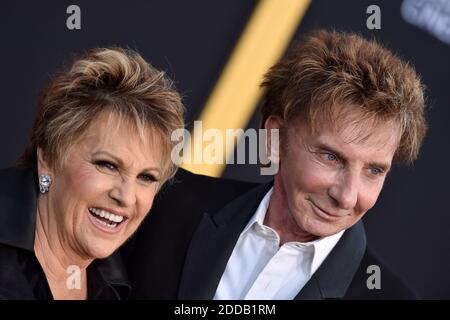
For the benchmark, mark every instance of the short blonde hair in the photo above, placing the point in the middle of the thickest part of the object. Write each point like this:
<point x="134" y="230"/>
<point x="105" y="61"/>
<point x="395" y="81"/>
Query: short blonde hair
<point x="104" y="80"/>
<point x="329" y="69"/>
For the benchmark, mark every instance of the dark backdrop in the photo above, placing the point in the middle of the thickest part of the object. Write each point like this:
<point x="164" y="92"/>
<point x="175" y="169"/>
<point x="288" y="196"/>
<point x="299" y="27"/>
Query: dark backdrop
<point x="191" y="40"/>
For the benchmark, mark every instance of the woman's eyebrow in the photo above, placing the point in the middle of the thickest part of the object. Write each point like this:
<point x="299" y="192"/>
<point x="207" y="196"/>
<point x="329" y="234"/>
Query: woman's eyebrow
<point x="121" y="163"/>
<point x="106" y="153"/>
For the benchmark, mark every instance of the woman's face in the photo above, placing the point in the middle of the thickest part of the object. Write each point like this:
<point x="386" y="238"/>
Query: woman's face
<point x="105" y="188"/>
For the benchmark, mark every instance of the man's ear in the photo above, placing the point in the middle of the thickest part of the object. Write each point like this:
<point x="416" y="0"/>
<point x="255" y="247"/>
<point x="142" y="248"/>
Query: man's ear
<point x="273" y="125"/>
<point x="42" y="164"/>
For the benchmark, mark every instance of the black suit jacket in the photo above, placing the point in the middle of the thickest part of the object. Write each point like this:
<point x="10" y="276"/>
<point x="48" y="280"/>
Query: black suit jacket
<point x="182" y="248"/>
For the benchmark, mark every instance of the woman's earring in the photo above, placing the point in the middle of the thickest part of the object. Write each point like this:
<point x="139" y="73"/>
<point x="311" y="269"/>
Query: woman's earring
<point x="44" y="183"/>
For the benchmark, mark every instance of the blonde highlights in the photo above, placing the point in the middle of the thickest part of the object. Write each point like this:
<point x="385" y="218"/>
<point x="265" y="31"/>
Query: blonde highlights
<point x="105" y="80"/>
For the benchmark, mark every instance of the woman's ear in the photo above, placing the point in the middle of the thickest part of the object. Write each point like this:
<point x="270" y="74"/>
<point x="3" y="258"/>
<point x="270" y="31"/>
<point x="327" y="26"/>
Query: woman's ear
<point x="42" y="164"/>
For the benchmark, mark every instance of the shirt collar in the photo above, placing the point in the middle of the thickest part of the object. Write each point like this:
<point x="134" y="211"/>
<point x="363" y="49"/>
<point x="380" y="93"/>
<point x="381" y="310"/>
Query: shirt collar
<point x="260" y="213"/>
<point x="321" y="247"/>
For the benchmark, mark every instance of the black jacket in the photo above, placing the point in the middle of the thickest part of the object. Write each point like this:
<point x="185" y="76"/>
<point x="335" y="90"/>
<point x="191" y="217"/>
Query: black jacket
<point x="182" y="248"/>
<point x="21" y="276"/>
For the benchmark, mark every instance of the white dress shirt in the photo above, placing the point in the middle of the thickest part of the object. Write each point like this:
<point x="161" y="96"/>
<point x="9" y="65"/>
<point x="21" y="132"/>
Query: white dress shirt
<point x="260" y="269"/>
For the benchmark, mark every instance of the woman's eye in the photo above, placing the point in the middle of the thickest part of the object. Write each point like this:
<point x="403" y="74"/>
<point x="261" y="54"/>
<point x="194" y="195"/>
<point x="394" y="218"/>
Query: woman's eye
<point x="148" y="178"/>
<point x="106" y="165"/>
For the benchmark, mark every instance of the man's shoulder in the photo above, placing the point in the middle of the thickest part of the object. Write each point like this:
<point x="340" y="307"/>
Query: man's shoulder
<point x="155" y="255"/>
<point x="375" y="279"/>
<point x="179" y="206"/>
<point x="198" y="193"/>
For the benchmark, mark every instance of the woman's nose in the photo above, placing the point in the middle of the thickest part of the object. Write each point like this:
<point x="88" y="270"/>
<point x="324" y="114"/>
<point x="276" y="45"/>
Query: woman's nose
<point x="124" y="193"/>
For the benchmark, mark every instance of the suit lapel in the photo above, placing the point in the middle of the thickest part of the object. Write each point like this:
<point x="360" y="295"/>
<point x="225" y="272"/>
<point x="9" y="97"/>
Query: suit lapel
<point x="213" y="243"/>
<point x="334" y="276"/>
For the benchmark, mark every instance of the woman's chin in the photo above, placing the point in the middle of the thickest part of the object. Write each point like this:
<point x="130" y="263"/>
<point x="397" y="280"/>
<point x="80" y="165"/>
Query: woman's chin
<point x="100" y="243"/>
<point x="101" y="252"/>
<point x="98" y="248"/>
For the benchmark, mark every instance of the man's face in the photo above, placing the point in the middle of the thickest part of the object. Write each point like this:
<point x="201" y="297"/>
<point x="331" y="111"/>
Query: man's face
<point x="329" y="179"/>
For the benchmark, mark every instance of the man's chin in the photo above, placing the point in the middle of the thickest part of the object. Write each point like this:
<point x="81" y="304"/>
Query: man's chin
<point x="321" y="229"/>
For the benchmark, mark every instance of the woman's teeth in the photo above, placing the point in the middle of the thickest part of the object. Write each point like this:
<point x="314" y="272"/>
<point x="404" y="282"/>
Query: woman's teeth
<point x="109" y="225"/>
<point x="115" y="219"/>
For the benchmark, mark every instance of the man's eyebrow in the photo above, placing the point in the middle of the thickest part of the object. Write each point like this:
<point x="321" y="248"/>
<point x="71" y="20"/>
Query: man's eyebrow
<point x="120" y="162"/>
<point x="324" y="146"/>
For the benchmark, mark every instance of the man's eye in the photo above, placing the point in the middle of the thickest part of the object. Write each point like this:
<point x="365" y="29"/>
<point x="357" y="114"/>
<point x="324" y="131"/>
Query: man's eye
<point x="376" y="171"/>
<point x="105" y="164"/>
<point x="330" y="156"/>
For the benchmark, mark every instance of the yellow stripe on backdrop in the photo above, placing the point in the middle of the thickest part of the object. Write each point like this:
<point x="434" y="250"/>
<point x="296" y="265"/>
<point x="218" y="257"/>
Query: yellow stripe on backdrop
<point x="236" y="94"/>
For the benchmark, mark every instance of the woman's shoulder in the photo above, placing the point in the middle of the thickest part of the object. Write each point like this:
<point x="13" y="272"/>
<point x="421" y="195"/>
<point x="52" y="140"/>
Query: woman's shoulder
<point x="18" y="194"/>
<point x="14" y="283"/>
<point x="17" y="223"/>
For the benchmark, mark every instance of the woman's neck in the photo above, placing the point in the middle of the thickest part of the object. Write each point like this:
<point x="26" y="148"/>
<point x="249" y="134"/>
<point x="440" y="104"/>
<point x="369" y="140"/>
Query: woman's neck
<point x="64" y="269"/>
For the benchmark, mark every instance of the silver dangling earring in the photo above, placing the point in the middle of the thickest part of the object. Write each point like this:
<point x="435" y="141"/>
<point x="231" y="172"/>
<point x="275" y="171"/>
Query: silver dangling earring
<point x="44" y="183"/>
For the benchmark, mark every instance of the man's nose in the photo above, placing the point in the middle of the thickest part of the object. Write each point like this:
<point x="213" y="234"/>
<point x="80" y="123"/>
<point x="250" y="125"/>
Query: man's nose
<point x="124" y="193"/>
<point x="345" y="190"/>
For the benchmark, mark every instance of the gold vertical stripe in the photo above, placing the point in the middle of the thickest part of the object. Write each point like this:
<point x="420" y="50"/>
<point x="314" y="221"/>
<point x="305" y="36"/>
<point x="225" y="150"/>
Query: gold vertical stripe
<point x="236" y="94"/>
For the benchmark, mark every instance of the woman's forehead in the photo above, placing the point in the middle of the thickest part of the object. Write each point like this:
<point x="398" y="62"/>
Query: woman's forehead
<point x="112" y="132"/>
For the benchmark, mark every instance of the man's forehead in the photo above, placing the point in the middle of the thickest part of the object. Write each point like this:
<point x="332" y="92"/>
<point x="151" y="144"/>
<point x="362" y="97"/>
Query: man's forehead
<point x="352" y="140"/>
<point x="373" y="144"/>
<point x="352" y="128"/>
<point x="363" y="133"/>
